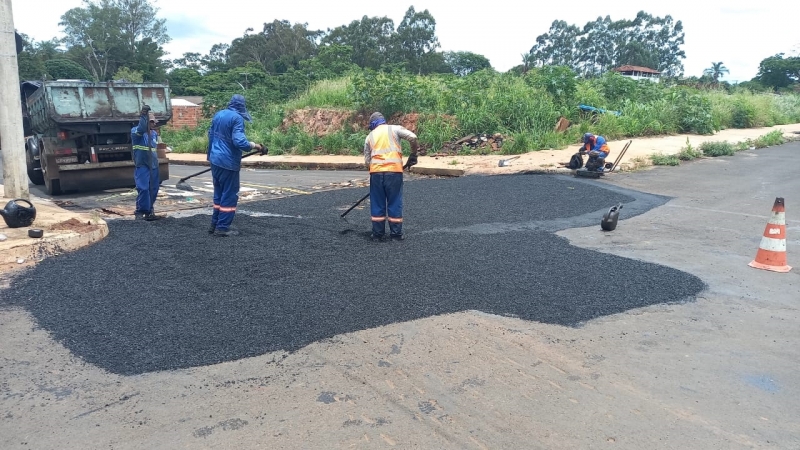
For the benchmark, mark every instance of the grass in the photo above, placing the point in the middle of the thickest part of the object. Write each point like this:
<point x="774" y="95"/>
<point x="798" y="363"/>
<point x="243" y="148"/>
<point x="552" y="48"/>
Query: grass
<point x="660" y="159"/>
<point x="689" y="153"/>
<point x="523" y="111"/>
<point x="714" y="149"/>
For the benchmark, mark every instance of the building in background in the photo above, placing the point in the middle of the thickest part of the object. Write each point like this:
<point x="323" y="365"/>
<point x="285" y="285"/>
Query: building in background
<point x="186" y="112"/>
<point x="639" y="73"/>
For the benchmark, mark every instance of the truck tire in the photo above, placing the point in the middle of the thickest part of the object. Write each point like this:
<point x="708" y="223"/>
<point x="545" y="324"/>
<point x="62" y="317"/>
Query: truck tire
<point x="34" y="167"/>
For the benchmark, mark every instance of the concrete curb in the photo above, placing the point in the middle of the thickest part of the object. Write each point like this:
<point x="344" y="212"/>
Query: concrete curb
<point x="81" y="230"/>
<point x="300" y="165"/>
<point x="52" y="244"/>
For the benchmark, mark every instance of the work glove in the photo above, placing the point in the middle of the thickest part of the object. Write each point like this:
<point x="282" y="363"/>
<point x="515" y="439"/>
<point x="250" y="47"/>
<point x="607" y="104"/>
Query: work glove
<point x="412" y="160"/>
<point x="145" y="110"/>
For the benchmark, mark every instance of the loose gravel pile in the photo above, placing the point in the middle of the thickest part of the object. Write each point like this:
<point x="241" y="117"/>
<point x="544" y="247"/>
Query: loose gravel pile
<point x="165" y="295"/>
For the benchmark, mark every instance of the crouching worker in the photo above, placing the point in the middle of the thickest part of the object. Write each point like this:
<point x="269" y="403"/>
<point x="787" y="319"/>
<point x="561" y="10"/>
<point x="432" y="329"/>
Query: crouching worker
<point x="383" y="155"/>
<point x="597" y="149"/>
<point x="226" y="142"/>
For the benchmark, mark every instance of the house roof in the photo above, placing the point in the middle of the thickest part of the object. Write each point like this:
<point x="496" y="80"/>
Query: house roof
<point x="181" y="102"/>
<point x="196" y="99"/>
<point x="627" y="68"/>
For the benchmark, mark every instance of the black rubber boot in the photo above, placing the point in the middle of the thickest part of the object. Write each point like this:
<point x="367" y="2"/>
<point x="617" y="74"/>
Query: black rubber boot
<point x="220" y="233"/>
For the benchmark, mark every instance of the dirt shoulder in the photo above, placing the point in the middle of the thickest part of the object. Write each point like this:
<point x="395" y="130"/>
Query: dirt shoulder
<point x="542" y="160"/>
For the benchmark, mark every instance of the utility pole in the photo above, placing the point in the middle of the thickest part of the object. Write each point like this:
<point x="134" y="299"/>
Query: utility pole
<point x="15" y="179"/>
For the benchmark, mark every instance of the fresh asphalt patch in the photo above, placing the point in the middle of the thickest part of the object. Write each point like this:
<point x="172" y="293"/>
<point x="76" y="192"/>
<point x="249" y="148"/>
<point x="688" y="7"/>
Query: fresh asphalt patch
<point x="165" y="295"/>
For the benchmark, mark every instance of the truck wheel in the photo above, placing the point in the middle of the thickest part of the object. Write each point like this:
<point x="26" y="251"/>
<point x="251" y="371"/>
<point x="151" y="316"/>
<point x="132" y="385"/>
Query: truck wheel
<point x="34" y="167"/>
<point x="53" y="187"/>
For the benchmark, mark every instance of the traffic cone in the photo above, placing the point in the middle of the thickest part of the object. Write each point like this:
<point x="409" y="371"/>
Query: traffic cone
<point x="772" y="250"/>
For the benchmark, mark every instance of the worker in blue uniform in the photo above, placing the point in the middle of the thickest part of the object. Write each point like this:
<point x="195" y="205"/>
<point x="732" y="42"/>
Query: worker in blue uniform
<point x="597" y="149"/>
<point x="144" y="138"/>
<point x="226" y="142"/>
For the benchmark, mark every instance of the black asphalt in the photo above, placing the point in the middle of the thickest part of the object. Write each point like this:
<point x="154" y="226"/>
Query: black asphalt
<point x="165" y="295"/>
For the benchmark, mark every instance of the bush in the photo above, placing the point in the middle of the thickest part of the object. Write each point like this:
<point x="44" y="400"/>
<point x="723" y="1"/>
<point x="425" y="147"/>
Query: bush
<point x="524" y="107"/>
<point x="660" y="159"/>
<point x="770" y="139"/>
<point x="689" y="153"/>
<point x="714" y="149"/>
<point x="744" y="114"/>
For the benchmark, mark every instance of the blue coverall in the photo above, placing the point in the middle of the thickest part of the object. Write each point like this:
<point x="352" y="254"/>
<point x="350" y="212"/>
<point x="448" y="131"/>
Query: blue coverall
<point x="226" y="142"/>
<point x="145" y="158"/>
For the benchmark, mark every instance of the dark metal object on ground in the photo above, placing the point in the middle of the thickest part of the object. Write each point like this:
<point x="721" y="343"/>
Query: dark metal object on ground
<point x="182" y="185"/>
<point x="35" y="233"/>
<point x="18" y="216"/>
<point x="609" y="221"/>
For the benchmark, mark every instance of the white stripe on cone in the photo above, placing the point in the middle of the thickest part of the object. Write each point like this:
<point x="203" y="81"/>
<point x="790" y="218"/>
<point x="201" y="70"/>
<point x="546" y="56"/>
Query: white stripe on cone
<point x="773" y="245"/>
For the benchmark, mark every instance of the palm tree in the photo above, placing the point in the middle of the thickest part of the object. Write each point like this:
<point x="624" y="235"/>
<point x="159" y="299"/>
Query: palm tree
<point x="716" y="70"/>
<point x="527" y="61"/>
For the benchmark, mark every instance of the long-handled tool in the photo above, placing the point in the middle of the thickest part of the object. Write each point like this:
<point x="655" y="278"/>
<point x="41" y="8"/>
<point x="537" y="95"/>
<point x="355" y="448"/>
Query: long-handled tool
<point x="619" y="158"/>
<point x="354" y="206"/>
<point x="405" y="167"/>
<point x="182" y="185"/>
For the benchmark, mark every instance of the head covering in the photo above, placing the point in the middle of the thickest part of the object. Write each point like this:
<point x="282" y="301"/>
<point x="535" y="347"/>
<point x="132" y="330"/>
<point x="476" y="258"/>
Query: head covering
<point x="587" y="137"/>
<point x="151" y="117"/>
<point x="376" y="119"/>
<point x="237" y="104"/>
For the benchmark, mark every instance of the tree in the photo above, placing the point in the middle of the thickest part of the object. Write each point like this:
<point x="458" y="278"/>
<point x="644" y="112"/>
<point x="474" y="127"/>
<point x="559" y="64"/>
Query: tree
<point x="716" y="70"/>
<point x="61" y="69"/>
<point x="416" y="37"/>
<point x="778" y="72"/>
<point x="602" y="44"/>
<point x="277" y="48"/>
<point x="186" y="81"/>
<point x="464" y="63"/>
<point x="106" y="34"/>
<point x="371" y="38"/>
<point x="131" y="76"/>
<point x="557" y="46"/>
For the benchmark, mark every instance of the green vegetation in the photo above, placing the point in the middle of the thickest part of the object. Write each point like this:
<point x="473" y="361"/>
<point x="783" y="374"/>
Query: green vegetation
<point x="714" y="149"/>
<point x="522" y="107"/>
<point x="660" y="159"/>
<point x="374" y="64"/>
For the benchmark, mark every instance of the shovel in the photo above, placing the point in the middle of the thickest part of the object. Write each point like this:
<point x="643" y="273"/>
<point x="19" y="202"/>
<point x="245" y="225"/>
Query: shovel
<point x="182" y="185"/>
<point x="504" y="162"/>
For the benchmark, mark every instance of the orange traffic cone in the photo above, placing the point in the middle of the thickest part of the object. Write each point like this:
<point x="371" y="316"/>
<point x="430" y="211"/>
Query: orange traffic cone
<point x="772" y="250"/>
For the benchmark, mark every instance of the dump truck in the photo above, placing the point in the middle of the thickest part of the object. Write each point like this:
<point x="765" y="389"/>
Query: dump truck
<point x="78" y="133"/>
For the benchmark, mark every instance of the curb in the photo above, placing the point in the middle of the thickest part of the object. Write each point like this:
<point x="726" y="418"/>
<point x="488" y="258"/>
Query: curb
<point x="299" y="165"/>
<point x="47" y="246"/>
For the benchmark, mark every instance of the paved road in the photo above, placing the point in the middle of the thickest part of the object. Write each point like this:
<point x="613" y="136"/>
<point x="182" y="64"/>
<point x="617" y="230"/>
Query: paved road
<point x="256" y="184"/>
<point x="481" y="347"/>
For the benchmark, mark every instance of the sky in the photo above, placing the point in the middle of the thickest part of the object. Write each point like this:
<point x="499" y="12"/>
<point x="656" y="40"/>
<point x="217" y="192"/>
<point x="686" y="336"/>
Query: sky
<point x="735" y="32"/>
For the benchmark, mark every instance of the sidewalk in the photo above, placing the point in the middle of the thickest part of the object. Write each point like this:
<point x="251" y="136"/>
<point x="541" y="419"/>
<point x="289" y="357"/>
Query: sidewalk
<point x="63" y="231"/>
<point x="544" y="161"/>
<point x="67" y="230"/>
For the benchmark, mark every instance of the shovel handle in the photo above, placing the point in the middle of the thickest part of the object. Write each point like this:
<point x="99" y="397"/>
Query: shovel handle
<point x="357" y="203"/>
<point x="207" y="170"/>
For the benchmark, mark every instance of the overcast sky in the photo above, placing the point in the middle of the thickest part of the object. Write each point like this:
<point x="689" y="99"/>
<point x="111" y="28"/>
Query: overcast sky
<point x="739" y="33"/>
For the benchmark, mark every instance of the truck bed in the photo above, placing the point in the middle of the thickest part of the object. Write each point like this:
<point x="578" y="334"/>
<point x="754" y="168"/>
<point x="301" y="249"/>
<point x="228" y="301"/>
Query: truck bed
<point x="61" y="103"/>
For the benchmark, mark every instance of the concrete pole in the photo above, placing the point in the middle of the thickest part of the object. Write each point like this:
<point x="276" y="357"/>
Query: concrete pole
<point x="15" y="177"/>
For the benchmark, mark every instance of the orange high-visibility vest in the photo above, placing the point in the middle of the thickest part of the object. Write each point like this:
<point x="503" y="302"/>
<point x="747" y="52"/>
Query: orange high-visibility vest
<point x="386" y="152"/>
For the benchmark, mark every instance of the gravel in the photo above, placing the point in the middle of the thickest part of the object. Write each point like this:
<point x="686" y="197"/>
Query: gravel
<point x="165" y="295"/>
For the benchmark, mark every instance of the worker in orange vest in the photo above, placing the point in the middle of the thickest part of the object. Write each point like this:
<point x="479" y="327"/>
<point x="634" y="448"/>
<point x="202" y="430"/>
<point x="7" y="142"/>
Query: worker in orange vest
<point x="383" y="155"/>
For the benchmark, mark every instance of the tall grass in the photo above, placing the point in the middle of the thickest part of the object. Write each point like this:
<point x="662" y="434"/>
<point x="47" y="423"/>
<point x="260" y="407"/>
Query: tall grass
<point x="523" y="108"/>
<point x="324" y="94"/>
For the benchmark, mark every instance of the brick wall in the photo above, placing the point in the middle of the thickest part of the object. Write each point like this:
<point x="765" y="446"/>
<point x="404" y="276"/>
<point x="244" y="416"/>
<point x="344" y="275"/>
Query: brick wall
<point x="185" y="116"/>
